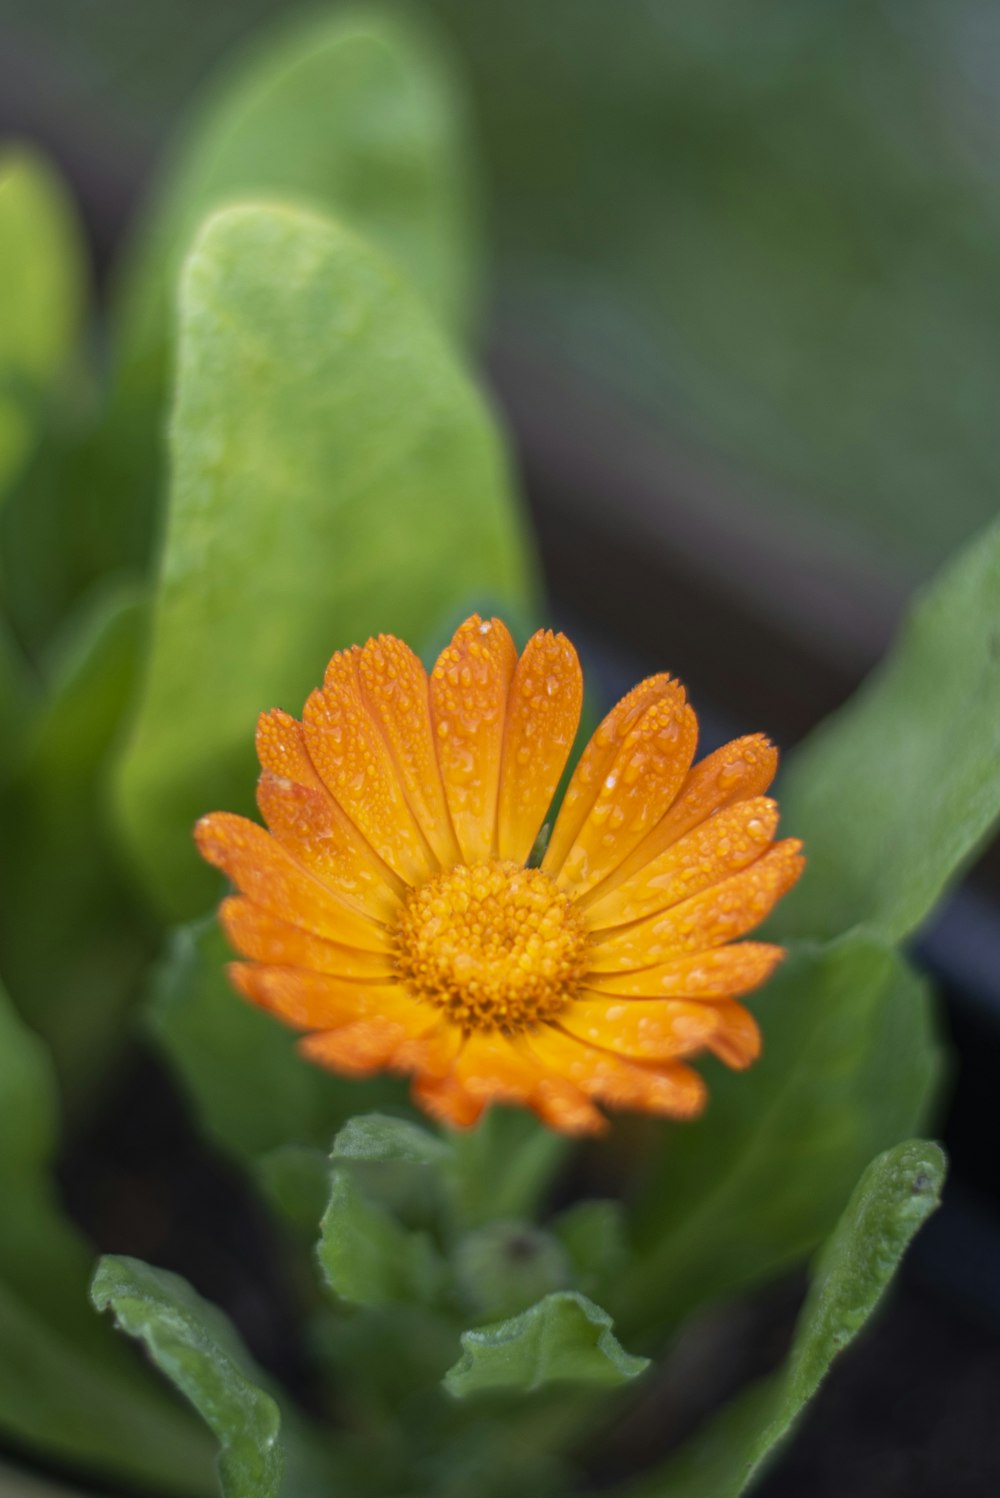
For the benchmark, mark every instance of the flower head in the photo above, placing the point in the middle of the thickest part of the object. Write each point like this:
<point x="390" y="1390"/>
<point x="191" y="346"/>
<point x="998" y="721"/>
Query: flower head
<point x="391" y="910"/>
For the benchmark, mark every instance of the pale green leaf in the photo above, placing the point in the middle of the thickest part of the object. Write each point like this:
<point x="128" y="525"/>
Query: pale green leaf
<point x="41" y="293"/>
<point x="848" y="1069"/>
<point x="335" y="475"/>
<point x="897" y="791"/>
<point x="563" y="1339"/>
<point x="896" y="1194"/>
<point x="194" y="1346"/>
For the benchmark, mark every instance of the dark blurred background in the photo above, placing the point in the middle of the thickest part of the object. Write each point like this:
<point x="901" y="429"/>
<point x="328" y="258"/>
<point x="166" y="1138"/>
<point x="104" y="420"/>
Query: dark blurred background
<point x="746" y="332"/>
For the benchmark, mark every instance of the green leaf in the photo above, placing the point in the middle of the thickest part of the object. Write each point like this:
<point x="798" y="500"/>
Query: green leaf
<point x="563" y="1339"/>
<point x="848" y="1069"/>
<point x="66" y="1387"/>
<point x="375" y="1137"/>
<point x="251" y="1090"/>
<point x="368" y="1258"/>
<point x="896" y="792"/>
<point x="72" y="980"/>
<point x="594" y="1235"/>
<point x="193" y="1344"/>
<point x="17" y="1484"/>
<point x="335" y="475"/>
<point x="41" y="293"/>
<point x="355" y="114"/>
<point x="897" y="1193"/>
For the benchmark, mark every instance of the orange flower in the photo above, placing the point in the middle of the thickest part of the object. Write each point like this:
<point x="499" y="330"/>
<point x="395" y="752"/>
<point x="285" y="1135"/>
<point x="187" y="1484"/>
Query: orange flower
<point x="392" y="911"/>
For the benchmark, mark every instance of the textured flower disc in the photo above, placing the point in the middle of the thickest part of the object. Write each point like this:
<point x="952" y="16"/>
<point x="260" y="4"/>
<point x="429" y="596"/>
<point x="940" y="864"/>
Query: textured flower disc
<point x="391" y="912"/>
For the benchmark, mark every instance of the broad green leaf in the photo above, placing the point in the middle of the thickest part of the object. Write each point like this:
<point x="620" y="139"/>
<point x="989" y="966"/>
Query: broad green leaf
<point x="41" y="292"/>
<point x="848" y="1069"/>
<point x="66" y="1387"/>
<point x="193" y="1344"/>
<point x="252" y="1092"/>
<point x="356" y="114"/>
<point x="563" y="1339"/>
<point x="896" y="792"/>
<point x="897" y="1193"/>
<point x="71" y="934"/>
<point x="335" y="475"/>
<point x="367" y="1256"/>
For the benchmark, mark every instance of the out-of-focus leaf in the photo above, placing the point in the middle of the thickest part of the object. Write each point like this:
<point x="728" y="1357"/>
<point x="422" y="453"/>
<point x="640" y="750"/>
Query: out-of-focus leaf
<point x="897" y="1193"/>
<point x="563" y="1339"/>
<point x="593" y="1233"/>
<point x="253" y="1093"/>
<point x="848" y="1069"/>
<point x="895" y="793"/>
<point x="502" y="1268"/>
<point x="193" y="1344"/>
<point x="378" y="1138"/>
<point x="17" y="700"/>
<point x="335" y="475"/>
<point x="66" y="1387"/>
<point x="70" y="931"/>
<point x="17" y="1484"/>
<point x="41" y="293"/>
<point x="356" y="114"/>
<point x="367" y="1256"/>
<point x="503" y="1167"/>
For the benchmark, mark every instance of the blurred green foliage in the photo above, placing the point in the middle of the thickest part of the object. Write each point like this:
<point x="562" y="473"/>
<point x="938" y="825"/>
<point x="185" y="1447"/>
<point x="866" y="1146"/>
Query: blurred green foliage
<point x="335" y="473"/>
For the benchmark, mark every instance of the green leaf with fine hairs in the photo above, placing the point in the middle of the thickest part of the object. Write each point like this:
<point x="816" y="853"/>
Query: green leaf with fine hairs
<point x="41" y="295"/>
<point x="193" y="1344"/>
<point x="562" y="1339"/>
<point x="849" y="1068"/>
<point x="367" y="1256"/>
<point x="67" y="1389"/>
<point x="335" y="475"/>
<point x="896" y="1194"/>
<point x="896" y="792"/>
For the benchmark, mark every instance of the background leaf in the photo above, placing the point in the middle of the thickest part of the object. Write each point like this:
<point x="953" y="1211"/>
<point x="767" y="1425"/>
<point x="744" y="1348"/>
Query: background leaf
<point x="849" y="1068"/>
<point x="72" y="937"/>
<point x="563" y="1338"/>
<point x="335" y="475"/>
<point x="41" y="293"/>
<point x="897" y="1193"/>
<point x="66" y="1387"/>
<point x="895" y="793"/>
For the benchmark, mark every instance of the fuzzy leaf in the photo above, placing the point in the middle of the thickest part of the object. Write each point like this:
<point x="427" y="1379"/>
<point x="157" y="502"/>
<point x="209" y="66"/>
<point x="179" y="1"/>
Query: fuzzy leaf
<point x="194" y="1346"/>
<point x="897" y="791"/>
<point x="897" y="1193"/>
<point x="335" y="475"/>
<point x="367" y="1256"/>
<point x="563" y="1339"/>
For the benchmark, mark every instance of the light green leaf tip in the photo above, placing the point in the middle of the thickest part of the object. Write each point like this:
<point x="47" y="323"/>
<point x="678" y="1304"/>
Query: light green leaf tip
<point x="193" y="1345"/>
<point x="563" y="1339"/>
<point x="335" y="476"/>
<point x="894" y="794"/>
<point x="41" y="297"/>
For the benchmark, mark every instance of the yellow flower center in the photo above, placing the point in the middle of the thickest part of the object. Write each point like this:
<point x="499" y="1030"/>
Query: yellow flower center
<point x="495" y="945"/>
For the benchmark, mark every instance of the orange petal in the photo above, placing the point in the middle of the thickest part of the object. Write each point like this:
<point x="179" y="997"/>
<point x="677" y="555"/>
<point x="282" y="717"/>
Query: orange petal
<point x="543" y="714"/>
<point x="737" y="1040"/>
<point x="493" y="1069"/>
<point x="727" y="842"/>
<point x="644" y="777"/>
<point x="469" y="687"/>
<point x="263" y="937"/>
<point x="445" y="1099"/>
<point x="398" y="694"/>
<point x="720" y="914"/>
<point x="672" y="1089"/>
<point x="316" y="1001"/>
<point x="259" y="867"/>
<point x="356" y="1050"/>
<point x="647" y="1030"/>
<point x="309" y="824"/>
<point x="595" y="763"/>
<point x="347" y="748"/>
<point x="720" y="973"/>
<point x="739" y="770"/>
